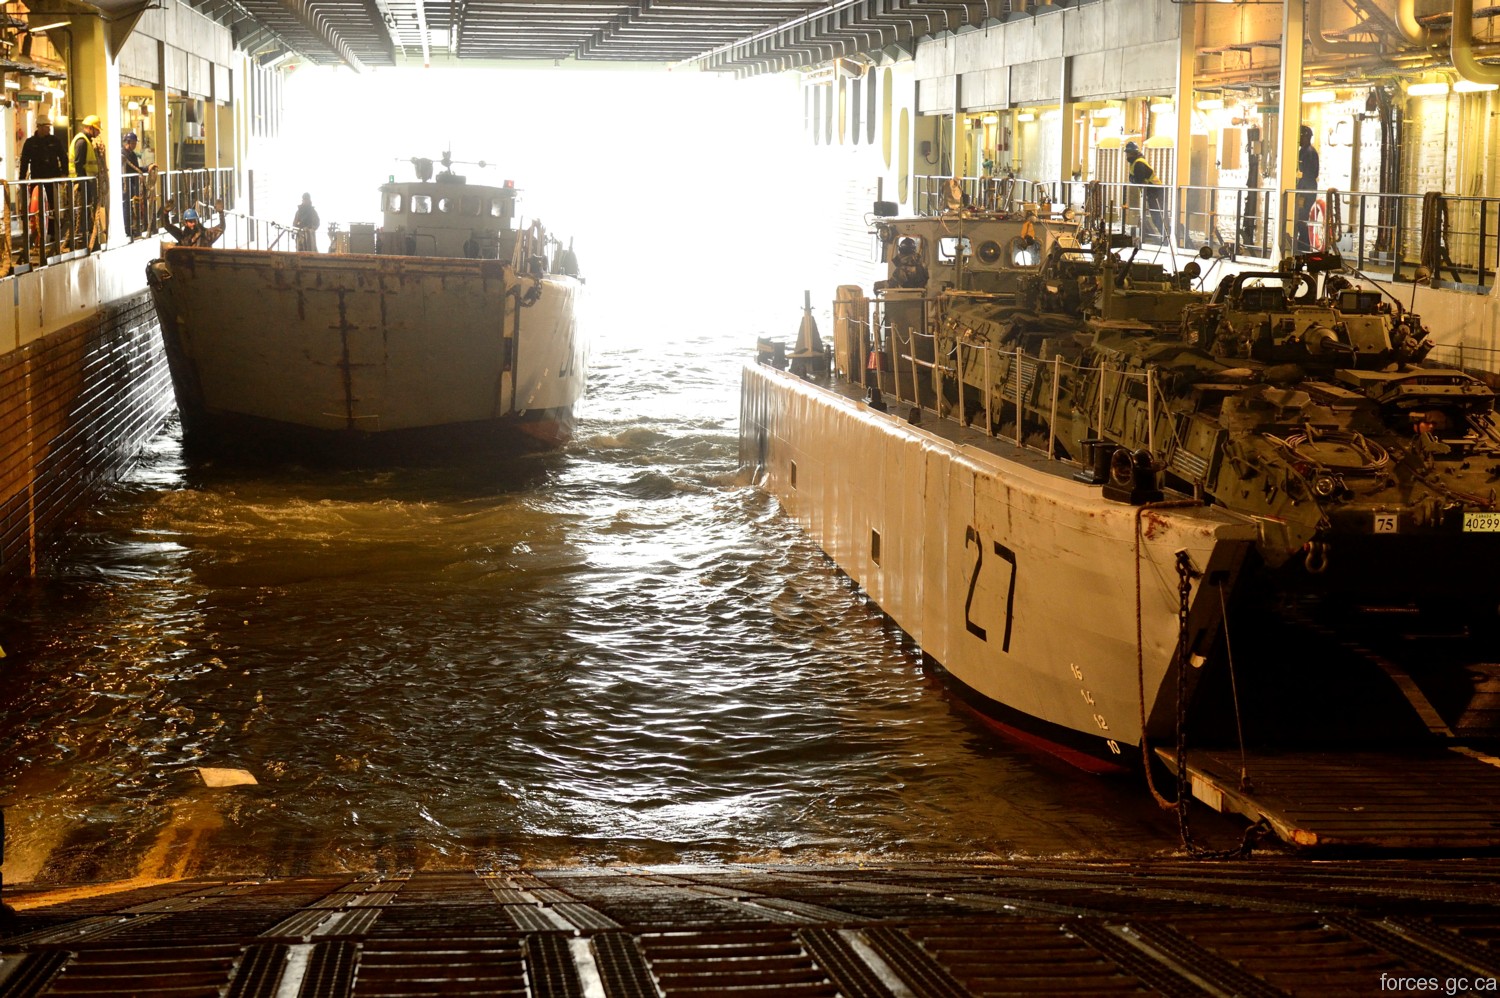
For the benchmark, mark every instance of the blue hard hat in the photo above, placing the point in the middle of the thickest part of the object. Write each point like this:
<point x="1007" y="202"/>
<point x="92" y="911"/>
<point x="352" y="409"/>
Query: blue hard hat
<point x="190" y="216"/>
<point x="130" y="137"/>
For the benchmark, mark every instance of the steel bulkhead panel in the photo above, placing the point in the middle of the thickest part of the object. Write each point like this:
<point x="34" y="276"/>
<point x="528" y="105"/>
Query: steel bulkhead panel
<point x="430" y="351"/>
<point x="248" y="332"/>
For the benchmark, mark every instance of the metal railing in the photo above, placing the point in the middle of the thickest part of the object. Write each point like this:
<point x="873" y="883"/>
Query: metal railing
<point x="57" y="219"/>
<point x="1451" y="242"/>
<point x="936" y="194"/>
<point x="1007" y="393"/>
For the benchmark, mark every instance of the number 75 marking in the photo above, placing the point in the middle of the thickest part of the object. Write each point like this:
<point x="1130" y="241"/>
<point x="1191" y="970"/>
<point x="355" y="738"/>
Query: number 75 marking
<point x="1006" y="554"/>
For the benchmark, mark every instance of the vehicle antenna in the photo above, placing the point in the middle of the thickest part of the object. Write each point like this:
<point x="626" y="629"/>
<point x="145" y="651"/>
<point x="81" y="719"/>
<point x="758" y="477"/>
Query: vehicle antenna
<point x="1363" y="276"/>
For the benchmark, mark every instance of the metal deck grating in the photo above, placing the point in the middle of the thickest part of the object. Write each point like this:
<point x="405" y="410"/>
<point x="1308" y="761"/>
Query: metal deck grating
<point x="1259" y="928"/>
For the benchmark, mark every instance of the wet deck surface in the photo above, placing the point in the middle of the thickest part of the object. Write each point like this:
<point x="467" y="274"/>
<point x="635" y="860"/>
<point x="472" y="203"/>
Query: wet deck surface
<point x="1279" y="925"/>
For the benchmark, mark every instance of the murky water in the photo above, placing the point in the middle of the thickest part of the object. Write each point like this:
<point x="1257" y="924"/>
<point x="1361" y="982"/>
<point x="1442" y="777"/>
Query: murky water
<point x="619" y="653"/>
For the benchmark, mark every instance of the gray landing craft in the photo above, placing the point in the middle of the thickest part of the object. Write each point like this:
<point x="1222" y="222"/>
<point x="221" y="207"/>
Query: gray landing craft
<point x="1133" y="481"/>
<point x="450" y="327"/>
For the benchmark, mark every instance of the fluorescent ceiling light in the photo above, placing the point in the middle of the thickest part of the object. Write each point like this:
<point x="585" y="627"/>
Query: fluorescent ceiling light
<point x="1317" y="96"/>
<point x="1470" y="87"/>
<point x="1427" y="89"/>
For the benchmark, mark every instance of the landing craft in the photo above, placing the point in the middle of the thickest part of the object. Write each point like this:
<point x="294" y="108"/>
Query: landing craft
<point x="1084" y="485"/>
<point x="448" y="328"/>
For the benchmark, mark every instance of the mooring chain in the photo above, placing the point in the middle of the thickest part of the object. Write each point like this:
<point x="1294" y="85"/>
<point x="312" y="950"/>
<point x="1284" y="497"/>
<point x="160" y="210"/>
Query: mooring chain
<point x="1186" y="573"/>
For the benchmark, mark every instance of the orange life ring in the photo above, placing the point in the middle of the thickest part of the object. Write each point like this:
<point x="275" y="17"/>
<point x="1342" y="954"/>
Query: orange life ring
<point x="1317" y="214"/>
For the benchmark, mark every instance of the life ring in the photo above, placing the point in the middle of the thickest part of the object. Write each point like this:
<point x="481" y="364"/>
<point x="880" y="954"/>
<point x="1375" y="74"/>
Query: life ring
<point x="1317" y="216"/>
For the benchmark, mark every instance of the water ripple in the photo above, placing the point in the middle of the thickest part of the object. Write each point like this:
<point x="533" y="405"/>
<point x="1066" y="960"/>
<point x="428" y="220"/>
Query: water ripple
<point x="622" y="653"/>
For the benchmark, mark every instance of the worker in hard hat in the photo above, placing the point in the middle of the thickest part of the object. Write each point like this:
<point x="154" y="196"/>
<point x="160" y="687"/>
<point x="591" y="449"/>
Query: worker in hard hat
<point x="133" y="175"/>
<point x="1153" y="214"/>
<point x="90" y="212"/>
<point x="192" y="231"/>
<point x="88" y="151"/>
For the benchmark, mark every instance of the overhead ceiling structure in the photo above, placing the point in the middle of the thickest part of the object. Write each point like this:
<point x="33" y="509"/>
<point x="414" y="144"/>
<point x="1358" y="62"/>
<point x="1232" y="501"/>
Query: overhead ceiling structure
<point x="743" y="38"/>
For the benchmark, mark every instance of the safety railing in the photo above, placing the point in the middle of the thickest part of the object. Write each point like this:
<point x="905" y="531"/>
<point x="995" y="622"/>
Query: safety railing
<point x="57" y="219"/>
<point x="1451" y="242"/>
<point x="51" y="220"/>
<point x="935" y="195"/>
<point x="884" y="345"/>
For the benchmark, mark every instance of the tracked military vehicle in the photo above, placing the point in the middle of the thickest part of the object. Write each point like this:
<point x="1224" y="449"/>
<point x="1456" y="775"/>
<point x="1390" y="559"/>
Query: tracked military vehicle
<point x="1293" y="397"/>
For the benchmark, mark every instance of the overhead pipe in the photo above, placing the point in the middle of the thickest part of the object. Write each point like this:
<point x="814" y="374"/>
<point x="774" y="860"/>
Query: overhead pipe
<point x="1326" y="46"/>
<point x="1415" y="32"/>
<point x="1461" y="46"/>
<point x="1375" y="64"/>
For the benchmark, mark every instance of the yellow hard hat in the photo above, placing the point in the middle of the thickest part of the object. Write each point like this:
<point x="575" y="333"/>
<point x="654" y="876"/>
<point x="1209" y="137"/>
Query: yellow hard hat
<point x="92" y="121"/>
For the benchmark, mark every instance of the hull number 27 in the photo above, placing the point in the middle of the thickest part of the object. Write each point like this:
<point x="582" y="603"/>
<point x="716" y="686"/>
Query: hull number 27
<point x="971" y="536"/>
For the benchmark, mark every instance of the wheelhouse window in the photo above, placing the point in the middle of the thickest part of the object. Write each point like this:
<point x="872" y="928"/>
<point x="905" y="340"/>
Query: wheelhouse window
<point x="421" y="204"/>
<point x="494" y="208"/>
<point x="445" y="205"/>
<point x="393" y="202"/>
<point x="951" y="248"/>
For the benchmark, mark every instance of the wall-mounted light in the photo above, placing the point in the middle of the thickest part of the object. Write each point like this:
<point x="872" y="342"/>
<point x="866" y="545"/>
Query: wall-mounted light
<point x="1025" y="116"/>
<point x="1107" y="112"/>
<point x="1211" y="104"/>
<point x="12" y="84"/>
<point x="1318" y="96"/>
<point x="1162" y="108"/>
<point x="990" y="119"/>
<point x="1470" y="87"/>
<point x="1428" y="89"/>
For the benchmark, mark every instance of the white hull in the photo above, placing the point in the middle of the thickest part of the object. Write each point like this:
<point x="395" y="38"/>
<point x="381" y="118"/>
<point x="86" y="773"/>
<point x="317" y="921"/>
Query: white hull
<point x="368" y="347"/>
<point x="1019" y="581"/>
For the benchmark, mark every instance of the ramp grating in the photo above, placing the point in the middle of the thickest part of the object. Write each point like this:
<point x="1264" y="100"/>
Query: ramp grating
<point x="549" y="967"/>
<point x="1139" y="963"/>
<point x="258" y="972"/>
<point x="1477" y="957"/>
<point x="622" y="966"/>
<point x="853" y="976"/>
<point x="330" y="970"/>
<point x="1278" y="924"/>
<point x="914" y="965"/>
<point x="1208" y="966"/>
<point x="32" y="974"/>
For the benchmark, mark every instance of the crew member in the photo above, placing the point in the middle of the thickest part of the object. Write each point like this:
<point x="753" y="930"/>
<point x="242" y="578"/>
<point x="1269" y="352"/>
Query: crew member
<point x="193" y="232"/>
<point x="1142" y="175"/>
<point x="88" y="161"/>
<point x="43" y="157"/>
<point x="134" y="176"/>
<point x="306" y="223"/>
<point x="1307" y="186"/>
<point x="907" y="268"/>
